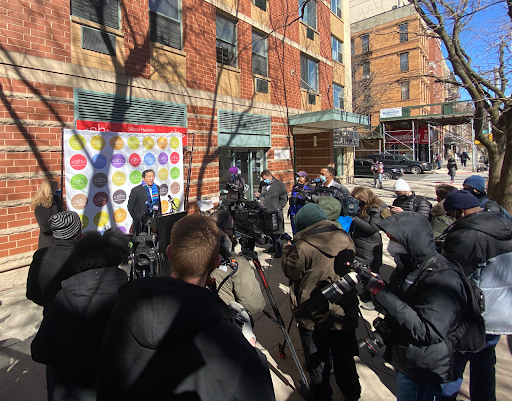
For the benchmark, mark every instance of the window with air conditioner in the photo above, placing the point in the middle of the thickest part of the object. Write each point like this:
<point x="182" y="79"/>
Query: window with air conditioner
<point x="226" y="40"/>
<point x="336" y="6"/>
<point x="365" y="43"/>
<point x="337" y="50"/>
<point x="404" y="62"/>
<point x="308" y="73"/>
<point x="338" y="93"/>
<point x="307" y="11"/>
<point x="404" y="88"/>
<point x="165" y="22"/>
<point x="404" y="32"/>
<point x="259" y="54"/>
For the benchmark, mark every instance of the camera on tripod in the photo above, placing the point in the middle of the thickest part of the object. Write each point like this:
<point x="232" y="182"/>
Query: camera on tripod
<point x="144" y="260"/>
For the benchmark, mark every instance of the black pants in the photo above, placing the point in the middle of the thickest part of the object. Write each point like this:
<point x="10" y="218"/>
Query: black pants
<point x="318" y="347"/>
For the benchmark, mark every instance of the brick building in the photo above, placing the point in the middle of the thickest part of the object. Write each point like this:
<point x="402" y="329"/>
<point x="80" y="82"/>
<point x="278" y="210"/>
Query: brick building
<point x="233" y="72"/>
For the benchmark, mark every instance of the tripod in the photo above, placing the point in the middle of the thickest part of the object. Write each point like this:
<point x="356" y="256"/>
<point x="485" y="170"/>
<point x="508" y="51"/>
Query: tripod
<point x="303" y="387"/>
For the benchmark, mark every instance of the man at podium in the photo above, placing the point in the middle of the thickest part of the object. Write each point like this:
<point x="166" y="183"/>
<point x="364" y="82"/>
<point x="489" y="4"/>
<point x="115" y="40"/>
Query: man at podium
<point x="144" y="201"/>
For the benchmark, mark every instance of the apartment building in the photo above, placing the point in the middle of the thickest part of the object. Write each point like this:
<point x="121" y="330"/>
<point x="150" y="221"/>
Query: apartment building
<point x="237" y="74"/>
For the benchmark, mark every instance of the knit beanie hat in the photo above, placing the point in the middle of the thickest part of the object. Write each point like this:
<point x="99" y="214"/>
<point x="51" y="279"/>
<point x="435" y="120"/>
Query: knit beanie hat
<point x="65" y="225"/>
<point x="460" y="200"/>
<point x="331" y="206"/>
<point x="401" y="185"/>
<point x="309" y="215"/>
<point x="234" y="170"/>
<point x="476" y="181"/>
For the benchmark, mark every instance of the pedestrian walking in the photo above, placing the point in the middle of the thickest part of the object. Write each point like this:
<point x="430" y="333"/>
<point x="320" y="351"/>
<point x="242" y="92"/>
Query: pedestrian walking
<point x="439" y="160"/>
<point x="452" y="168"/>
<point x="464" y="157"/>
<point x="378" y="169"/>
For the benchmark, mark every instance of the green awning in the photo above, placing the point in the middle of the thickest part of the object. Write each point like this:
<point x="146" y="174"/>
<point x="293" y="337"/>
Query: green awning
<point x="326" y="120"/>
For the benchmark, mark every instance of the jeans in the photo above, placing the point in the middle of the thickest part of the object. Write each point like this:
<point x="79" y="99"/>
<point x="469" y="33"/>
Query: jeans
<point x="318" y="347"/>
<point x="292" y="222"/>
<point x="377" y="176"/>
<point x="482" y="378"/>
<point x="410" y="390"/>
<point x="439" y="165"/>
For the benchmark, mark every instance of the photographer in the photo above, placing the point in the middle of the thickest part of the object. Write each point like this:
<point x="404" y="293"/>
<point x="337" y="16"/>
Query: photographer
<point x="297" y="198"/>
<point x="317" y="258"/>
<point x="235" y="185"/>
<point x="144" y="201"/>
<point x="171" y="338"/>
<point x="423" y="303"/>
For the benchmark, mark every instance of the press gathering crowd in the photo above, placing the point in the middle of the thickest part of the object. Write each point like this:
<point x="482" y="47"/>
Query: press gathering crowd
<point x="104" y="337"/>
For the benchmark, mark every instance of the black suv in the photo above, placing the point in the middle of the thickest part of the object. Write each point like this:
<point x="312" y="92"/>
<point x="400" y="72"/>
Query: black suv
<point x="363" y="168"/>
<point x="399" y="161"/>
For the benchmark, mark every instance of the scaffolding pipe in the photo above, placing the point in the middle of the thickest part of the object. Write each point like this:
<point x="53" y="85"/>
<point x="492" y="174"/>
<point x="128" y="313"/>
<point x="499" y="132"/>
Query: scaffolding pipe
<point x="383" y="138"/>
<point x="413" y="142"/>
<point x="429" y="150"/>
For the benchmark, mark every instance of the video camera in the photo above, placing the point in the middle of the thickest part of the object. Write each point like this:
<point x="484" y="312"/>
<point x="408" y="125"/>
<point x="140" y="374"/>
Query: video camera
<point x="144" y="259"/>
<point x="253" y="222"/>
<point x="350" y="206"/>
<point x="303" y="197"/>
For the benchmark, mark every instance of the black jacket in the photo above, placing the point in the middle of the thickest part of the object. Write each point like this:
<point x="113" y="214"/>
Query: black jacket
<point x="422" y="314"/>
<point x="43" y="214"/>
<point x="170" y="340"/>
<point x="452" y="166"/>
<point x="367" y="238"/>
<point x="414" y="203"/>
<point x="48" y="268"/>
<point x="137" y="206"/>
<point x="275" y="198"/>
<point x="70" y="337"/>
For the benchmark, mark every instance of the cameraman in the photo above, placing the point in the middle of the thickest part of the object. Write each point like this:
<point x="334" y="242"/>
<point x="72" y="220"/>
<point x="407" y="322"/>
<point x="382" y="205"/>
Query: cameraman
<point x="144" y="201"/>
<point x="318" y="258"/>
<point x="235" y="185"/>
<point x="297" y="197"/>
<point x="423" y="303"/>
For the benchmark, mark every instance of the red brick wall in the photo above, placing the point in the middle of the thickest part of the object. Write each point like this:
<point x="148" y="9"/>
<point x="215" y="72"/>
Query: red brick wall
<point x="135" y="25"/>
<point x="312" y="158"/>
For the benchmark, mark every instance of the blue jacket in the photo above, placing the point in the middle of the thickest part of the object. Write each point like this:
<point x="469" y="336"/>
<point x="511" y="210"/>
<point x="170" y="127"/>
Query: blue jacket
<point x="295" y="194"/>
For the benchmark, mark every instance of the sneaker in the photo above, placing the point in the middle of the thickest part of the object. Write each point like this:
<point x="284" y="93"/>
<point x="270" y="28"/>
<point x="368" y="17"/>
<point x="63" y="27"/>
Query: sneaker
<point x="368" y="305"/>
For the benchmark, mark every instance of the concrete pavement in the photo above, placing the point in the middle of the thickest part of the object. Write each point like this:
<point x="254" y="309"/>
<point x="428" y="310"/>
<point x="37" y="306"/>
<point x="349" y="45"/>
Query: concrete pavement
<point x="24" y="380"/>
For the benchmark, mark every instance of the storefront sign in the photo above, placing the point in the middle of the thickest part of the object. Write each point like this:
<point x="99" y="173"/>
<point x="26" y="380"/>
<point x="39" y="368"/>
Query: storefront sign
<point x="345" y="138"/>
<point x="389" y="113"/>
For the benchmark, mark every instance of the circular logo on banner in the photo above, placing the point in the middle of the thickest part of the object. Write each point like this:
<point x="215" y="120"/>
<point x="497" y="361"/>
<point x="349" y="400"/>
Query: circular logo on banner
<point x="118" y="160"/>
<point x="122" y="229"/>
<point x="148" y="143"/>
<point x="134" y="160"/>
<point x="78" y="162"/>
<point x="100" y="199"/>
<point x="120" y="215"/>
<point x="133" y="142"/>
<point x="175" y="188"/>
<point x="175" y="173"/>
<point x="162" y="142"/>
<point x="119" y="196"/>
<point x="99" y="180"/>
<point x="77" y="142"/>
<point x="85" y="221"/>
<point x="100" y="219"/>
<point x="79" y="201"/>
<point x="99" y="161"/>
<point x="163" y="174"/>
<point x="177" y="203"/>
<point x="97" y="142"/>
<point x="117" y="143"/>
<point x="175" y="142"/>
<point x="164" y="189"/>
<point x="149" y="159"/>
<point x="165" y="206"/>
<point x="162" y="158"/>
<point x="118" y="178"/>
<point x="78" y="181"/>
<point x="175" y="157"/>
<point x="135" y="177"/>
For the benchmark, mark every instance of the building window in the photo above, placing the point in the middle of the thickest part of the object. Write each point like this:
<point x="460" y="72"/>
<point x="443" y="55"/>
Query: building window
<point x="226" y="40"/>
<point x="365" y="43"/>
<point x="104" y="12"/>
<point x="352" y="47"/>
<point x="308" y="73"/>
<point x="404" y="62"/>
<point x="337" y="50"/>
<point x="308" y="12"/>
<point x="336" y="7"/>
<point x="404" y="88"/>
<point x="259" y="54"/>
<point x="164" y="22"/>
<point x="366" y="70"/>
<point x="338" y="93"/>
<point x="404" y="32"/>
<point x="261" y="4"/>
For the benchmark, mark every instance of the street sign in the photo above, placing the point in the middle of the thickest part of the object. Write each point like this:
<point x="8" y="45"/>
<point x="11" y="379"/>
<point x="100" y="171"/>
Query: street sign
<point x="345" y="138"/>
<point x="393" y="112"/>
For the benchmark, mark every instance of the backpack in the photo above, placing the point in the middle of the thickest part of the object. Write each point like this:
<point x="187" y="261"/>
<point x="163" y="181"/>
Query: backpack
<point x="502" y="209"/>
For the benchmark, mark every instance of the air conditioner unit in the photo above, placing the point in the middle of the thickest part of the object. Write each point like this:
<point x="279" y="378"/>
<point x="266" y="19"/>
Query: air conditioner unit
<point x="261" y="85"/>
<point x="311" y="98"/>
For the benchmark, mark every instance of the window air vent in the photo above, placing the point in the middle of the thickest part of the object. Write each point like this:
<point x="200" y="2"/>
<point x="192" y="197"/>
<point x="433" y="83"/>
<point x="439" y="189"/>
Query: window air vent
<point x="261" y="85"/>
<point x="310" y="33"/>
<point x="311" y="98"/>
<point x="98" y="41"/>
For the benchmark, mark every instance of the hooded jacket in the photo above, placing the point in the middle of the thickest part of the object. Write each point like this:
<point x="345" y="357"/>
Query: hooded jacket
<point x="332" y="208"/>
<point x="420" y="311"/>
<point x="482" y="244"/>
<point x="413" y="203"/>
<point x="438" y="219"/>
<point x="170" y="340"/>
<point x="310" y="266"/>
<point x="71" y="334"/>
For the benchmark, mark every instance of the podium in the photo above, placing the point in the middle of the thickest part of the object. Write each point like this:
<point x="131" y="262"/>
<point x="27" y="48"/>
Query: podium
<point x="163" y="224"/>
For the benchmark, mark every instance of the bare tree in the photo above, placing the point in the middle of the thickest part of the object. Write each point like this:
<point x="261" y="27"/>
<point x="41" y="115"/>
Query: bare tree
<point x="451" y="21"/>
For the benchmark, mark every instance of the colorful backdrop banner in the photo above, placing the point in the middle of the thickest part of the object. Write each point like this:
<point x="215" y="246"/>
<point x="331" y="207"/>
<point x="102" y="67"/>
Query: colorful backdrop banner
<point x="101" y="169"/>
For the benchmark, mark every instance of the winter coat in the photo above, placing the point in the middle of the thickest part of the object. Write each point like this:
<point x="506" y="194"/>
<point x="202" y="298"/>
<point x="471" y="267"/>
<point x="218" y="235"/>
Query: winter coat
<point x="43" y="214"/>
<point x="452" y="166"/>
<point x="71" y="334"/>
<point x="464" y="156"/>
<point x="137" y="206"/>
<point x="367" y="238"/>
<point x="310" y="266"/>
<point x="420" y="315"/>
<point x="413" y="203"/>
<point x="235" y="187"/>
<point x="275" y="198"/>
<point x="331" y="207"/>
<point x="297" y="192"/>
<point x="488" y="204"/>
<point x="482" y="244"/>
<point x="48" y="268"/>
<point x="438" y="219"/>
<point x="170" y="340"/>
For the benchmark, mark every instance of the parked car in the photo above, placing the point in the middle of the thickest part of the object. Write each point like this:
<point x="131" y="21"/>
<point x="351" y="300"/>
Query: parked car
<point x="363" y="168"/>
<point x="399" y="161"/>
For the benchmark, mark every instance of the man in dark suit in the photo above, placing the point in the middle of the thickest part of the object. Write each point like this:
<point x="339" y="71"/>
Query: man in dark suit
<point x="144" y="201"/>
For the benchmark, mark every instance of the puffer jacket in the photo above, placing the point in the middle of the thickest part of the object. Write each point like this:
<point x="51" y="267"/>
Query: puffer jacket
<point x="310" y="266"/>
<point x="420" y="311"/>
<point x="482" y="244"/>
<point x="367" y="238"/>
<point x="438" y="219"/>
<point x="452" y="166"/>
<point x="413" y="203"/>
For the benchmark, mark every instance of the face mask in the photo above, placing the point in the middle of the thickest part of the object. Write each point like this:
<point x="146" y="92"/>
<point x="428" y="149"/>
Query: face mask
<point x="300" y="185"/>
<point x="403" y="196"/>
<point x="323" y="178"/>
<point x="266" y="181"/>
<point x="394" y="249"/>
<point x="233" y="175"/>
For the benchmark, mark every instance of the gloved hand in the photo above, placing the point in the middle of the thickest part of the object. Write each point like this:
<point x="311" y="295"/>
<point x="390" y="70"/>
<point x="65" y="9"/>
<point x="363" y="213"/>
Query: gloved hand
<point x="372" y="281"/>
<point x="244" y="321"/>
